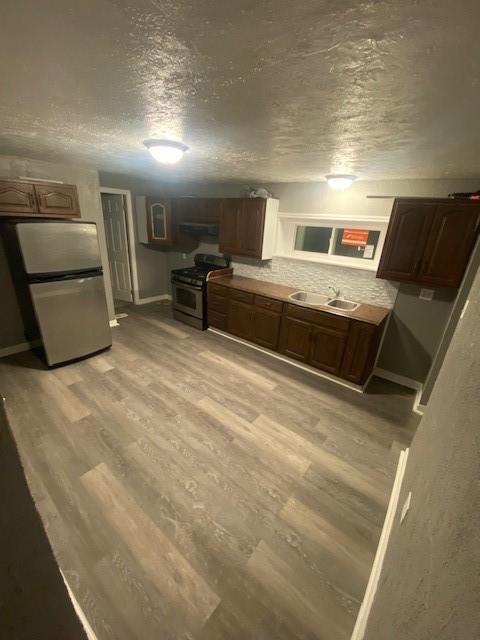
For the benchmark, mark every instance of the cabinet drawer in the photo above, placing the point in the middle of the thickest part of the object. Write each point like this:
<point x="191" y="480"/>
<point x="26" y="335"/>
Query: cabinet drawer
<point x="217" y="303"/>
<point x="268" y="303"/>
<point x="217" y="289"/>
<point x="217" y="320"/>
<point x="241" y="296"/>
<point x="318" y="317"/>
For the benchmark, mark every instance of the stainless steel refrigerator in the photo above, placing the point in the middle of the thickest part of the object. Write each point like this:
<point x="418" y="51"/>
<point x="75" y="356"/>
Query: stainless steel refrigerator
<point x="57" y="272"/>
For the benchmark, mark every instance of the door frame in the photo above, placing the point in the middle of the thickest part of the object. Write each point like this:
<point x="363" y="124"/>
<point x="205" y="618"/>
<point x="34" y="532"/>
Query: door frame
<point x="132" y="256"/>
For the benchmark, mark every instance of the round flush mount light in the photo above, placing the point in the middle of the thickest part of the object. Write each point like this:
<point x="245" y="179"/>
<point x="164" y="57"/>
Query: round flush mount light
<point x="166" y="151"/>
<point x="340" y="181"/>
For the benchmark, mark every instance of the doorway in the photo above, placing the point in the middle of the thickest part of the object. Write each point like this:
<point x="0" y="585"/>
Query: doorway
<point x="120" y="239"/>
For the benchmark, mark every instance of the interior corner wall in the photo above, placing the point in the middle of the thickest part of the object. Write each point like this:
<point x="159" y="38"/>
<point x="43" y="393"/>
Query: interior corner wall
<point x="152" y="262"/>
<point x="86" y="179"/>
<point x="429" y="585"/>
<point x="451" y="324"/>
<point x="414" y="331"/>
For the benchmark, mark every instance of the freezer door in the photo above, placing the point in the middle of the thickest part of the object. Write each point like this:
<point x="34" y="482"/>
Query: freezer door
<point x="58" y="247"/>
<point x="72" y="316"/>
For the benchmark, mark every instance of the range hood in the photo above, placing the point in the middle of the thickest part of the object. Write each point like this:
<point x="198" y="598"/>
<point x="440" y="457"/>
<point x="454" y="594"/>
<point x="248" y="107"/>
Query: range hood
<point x="199" y="228"/>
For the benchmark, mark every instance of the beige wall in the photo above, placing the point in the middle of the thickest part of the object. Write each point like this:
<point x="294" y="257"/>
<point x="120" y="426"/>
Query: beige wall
<point x="86" y="179"/>
<point x="429" y="587"/>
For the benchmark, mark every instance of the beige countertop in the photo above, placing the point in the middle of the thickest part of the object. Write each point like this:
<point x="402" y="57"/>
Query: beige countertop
<point x="365" y="312"/>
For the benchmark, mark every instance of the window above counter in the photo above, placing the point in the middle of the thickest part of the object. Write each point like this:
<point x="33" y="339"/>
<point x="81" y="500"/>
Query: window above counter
<point x="339" y="240"/>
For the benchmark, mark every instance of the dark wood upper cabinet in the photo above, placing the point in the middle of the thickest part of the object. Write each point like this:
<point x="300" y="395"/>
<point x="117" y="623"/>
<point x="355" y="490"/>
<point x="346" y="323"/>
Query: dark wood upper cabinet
<point x="450" y="243"/>
<point x="24" y="198"/>
<point x="159" y="221"/>
<point x="429" y="241"/>
<point x="248" y="227"/>
<point x="295" y="338"/>
<point x="58" y="200"/>
<point x="251" y="222"/>
<point x="407" y="233"/>
<point x="327" y="347"/>
<point x="229" y="224"/>
<point x="17" y="197"/>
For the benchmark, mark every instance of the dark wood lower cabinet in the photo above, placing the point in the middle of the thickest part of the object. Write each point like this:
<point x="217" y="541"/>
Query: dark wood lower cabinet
<point x="217" y="320"/>
<point x="340" y="346"/>
<point x="360" y="352"/>
<point x="266" y="328"/>
<point x="239" y="319"/>
<point x="295" y="338"/>
<point x="327" y="348"/>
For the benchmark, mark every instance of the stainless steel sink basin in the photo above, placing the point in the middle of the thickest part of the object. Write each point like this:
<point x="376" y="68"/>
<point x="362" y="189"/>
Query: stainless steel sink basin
<point x="347" y="305"/>
<point x="309" y="298"/>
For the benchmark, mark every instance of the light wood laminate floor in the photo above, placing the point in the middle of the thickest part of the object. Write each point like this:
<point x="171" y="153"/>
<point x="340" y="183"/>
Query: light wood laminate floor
<point x="193" y="488"/>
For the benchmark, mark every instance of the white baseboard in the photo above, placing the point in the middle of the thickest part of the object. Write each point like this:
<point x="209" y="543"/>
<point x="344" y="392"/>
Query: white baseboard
<point x="298" y="365"/>
<point x="417" y="406"/>
<point x="164" y="296"/>
<point x="15" y="348"/>
<point x="114" y="323"/>
<point x="363" y="614"/>
<point x="91" y="635"/>
<point x="395" y="377"/>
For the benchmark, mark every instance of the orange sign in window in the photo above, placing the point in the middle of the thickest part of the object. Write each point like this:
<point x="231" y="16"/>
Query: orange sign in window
<point x="355" y="237"/>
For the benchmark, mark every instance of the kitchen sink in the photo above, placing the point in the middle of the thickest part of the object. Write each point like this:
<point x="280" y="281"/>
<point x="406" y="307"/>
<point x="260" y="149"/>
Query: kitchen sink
<point x="347" y="305"/>
<point x="309" y="298"/>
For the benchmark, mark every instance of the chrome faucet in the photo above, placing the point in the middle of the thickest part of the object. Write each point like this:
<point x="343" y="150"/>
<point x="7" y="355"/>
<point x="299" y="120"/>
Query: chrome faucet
<point x="336" y="291"/>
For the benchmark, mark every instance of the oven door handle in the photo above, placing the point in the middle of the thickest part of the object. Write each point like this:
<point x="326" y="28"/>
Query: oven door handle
<point x="186" y="286"/>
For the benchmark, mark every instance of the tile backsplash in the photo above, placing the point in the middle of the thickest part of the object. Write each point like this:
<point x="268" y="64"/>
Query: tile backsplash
<point x="354" y="284"/>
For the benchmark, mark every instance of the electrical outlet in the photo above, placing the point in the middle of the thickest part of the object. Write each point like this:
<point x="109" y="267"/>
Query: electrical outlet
<point x="426" y="294"/>
<point x="275" y="268"/>
<point x="184" y="256"/>
<point x="406" y="506"/>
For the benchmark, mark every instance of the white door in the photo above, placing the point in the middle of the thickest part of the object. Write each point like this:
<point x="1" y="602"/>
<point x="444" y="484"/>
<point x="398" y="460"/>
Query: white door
<point x="117" y="245"/>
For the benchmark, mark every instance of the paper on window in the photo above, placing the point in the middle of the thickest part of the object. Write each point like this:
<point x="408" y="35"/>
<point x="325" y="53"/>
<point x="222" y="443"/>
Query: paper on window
<point x="368" y="251"/>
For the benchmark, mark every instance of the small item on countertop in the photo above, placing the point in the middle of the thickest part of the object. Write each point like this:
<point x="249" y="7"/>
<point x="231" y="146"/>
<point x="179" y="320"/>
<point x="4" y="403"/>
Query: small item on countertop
<point x="469" y="195"/>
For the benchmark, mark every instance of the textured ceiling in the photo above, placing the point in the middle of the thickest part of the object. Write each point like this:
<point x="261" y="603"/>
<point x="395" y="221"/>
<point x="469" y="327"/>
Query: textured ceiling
<point x="272" y="90"/>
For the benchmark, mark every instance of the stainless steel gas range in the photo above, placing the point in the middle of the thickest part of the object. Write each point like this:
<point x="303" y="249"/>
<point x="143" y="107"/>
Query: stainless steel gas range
<point x="189" y="289"/>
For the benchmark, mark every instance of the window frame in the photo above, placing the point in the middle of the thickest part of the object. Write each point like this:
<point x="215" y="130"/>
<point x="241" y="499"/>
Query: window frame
<point x="287" y="231"/>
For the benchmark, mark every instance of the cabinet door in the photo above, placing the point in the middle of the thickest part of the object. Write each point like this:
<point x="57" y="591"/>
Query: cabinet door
<point x="326" y="351"/>
<point x="452" y="238"/>
<point x="241" y="226"/>
<point x="17" y="197"/>
<point x="251" y="224"/>
<point x="229" y="238"/>
<point x="159" y="223"/>
<point x="360" y="351"/>
<point x="407" y="234"/>
<point x="266" y="328"/>
<point x="295" y="338"/>
<point x="239" y="319"/>
<point x="57" y="200"/>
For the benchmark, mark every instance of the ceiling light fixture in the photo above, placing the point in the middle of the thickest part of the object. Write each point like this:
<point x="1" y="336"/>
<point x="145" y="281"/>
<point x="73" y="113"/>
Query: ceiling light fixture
<point x="166" y="151"/>
<point x="339" y="181"/>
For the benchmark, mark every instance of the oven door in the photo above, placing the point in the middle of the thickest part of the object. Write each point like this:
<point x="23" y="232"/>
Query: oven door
<point x="188" y="299"/>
